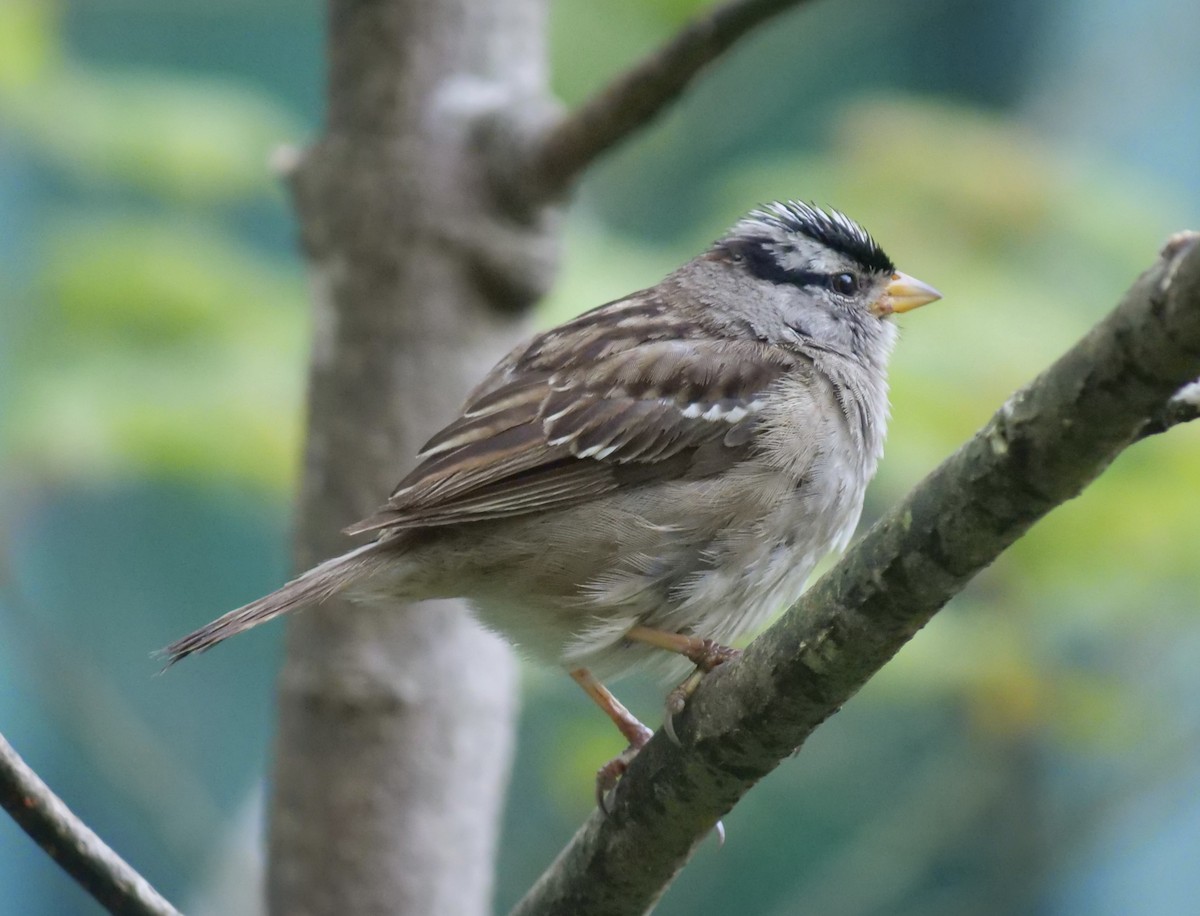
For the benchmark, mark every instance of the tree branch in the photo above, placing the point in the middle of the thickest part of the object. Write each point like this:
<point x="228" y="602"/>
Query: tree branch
<point x="72" y="844"/>
<point x="636" y="96"/>
<point x="1041" y="448"/>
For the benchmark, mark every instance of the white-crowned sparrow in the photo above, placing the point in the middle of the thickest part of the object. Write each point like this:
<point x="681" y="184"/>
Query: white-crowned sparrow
<point x="661" y="472"/>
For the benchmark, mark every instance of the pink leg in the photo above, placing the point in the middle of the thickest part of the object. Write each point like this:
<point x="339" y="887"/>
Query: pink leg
<point x="703" y="653"/>
<point x="634" y="731"/>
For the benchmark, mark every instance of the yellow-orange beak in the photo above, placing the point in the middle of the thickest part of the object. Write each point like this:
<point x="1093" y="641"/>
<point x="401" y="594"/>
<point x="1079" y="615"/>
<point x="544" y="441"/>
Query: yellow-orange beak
<point x="904" y="294"/>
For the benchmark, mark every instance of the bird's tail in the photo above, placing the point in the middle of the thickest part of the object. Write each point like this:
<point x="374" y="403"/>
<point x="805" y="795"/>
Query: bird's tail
<point x="319" y="583"/>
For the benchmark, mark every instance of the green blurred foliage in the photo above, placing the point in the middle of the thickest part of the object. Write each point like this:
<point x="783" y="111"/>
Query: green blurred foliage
<point x="585" y="48"/>
<point x="159" y="342"/>
<point x="188" y="141"/>
<point x="166" y="348"/>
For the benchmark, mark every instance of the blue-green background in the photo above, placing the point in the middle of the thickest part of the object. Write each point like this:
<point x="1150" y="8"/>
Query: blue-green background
<point x="1034" y="750"/>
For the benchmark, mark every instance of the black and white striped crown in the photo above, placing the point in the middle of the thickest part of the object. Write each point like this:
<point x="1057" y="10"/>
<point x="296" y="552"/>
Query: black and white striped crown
<point x="829" y="227"/>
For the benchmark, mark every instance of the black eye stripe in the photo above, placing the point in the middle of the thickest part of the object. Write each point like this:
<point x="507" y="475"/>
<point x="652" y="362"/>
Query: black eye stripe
<point x="808" y="278"/>
<point x="763" y="264"/>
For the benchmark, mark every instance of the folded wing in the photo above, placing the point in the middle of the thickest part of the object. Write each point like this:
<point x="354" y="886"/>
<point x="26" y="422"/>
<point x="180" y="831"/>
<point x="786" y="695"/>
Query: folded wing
<point x="619" y="397"/>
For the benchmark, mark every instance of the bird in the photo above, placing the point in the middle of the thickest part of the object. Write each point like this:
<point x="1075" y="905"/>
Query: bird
<point x="646" y="483"/>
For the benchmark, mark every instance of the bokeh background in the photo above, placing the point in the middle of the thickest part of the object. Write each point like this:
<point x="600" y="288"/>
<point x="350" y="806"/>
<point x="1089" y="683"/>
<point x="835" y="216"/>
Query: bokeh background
<point x="1035" y="750"/>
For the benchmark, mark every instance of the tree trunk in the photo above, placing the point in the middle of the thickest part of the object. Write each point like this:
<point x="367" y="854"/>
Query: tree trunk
<point x="396" y="722"/>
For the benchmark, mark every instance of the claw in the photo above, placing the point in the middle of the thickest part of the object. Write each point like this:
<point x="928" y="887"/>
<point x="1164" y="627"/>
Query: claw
<point x="719" y="830"/>
<point x="610" y="774"/>
<point x="669" y="727"/>
<point x="677" y="700"/>
<point x="606" y="780"/>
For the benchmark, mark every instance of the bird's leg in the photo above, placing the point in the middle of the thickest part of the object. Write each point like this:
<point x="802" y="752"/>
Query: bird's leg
<point x="634" y="731"/>
<point x="705" y="654"/>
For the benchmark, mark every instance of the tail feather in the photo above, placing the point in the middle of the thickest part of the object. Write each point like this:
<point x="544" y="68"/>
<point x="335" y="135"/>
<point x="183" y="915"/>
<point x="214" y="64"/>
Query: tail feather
<point x="318" y="584"/>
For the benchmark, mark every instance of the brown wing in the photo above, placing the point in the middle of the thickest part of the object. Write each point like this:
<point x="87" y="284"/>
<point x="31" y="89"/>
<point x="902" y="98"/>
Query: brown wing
<point x="619" y="396"/>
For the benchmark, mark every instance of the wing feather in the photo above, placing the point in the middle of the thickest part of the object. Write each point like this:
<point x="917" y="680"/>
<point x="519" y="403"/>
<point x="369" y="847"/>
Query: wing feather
<point x="618" y="397"/>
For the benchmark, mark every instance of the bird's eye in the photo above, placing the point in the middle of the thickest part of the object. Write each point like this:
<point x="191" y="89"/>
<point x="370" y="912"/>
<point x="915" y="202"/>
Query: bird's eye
<point x="846" y="284"/>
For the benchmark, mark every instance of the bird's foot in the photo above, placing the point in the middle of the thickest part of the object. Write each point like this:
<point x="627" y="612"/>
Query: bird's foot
<point x="706" y="656"/>
<point x="610" y="774"/>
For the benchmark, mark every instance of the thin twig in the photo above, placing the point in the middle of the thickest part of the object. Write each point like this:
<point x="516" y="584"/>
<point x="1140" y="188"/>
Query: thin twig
<point x="1043" y="447"/>
<point x="72" y="844"/>
<point x="636" y="96"/>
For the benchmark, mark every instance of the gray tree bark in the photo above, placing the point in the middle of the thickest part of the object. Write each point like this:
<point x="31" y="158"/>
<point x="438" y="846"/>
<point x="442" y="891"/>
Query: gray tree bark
<point x="395" y="723"/>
